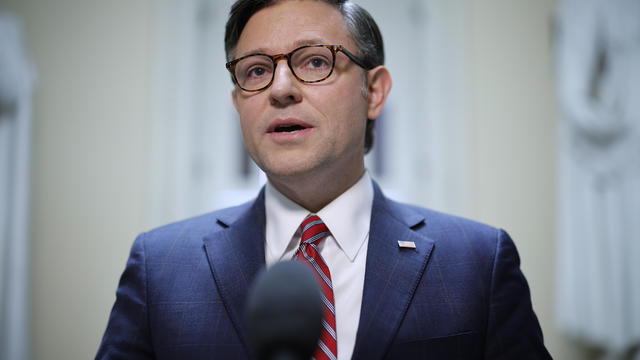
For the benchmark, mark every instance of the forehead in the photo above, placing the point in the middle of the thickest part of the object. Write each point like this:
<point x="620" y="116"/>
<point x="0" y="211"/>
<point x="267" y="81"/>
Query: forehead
<point x="288" y="24"/>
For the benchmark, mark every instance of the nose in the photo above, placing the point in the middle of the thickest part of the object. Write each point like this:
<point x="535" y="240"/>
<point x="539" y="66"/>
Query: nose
<point x="285" y="88"/>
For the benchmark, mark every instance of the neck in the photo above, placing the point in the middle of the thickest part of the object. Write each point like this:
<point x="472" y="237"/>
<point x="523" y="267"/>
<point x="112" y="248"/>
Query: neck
<point x="315" y="192"/>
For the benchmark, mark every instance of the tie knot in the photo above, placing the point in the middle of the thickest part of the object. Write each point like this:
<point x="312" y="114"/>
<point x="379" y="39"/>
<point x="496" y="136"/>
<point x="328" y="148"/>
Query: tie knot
<point x="313" y="229"/>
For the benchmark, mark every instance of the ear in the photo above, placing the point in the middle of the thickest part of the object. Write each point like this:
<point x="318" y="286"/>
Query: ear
<point x="234" y="98"/>
<point x="379" y="85"/>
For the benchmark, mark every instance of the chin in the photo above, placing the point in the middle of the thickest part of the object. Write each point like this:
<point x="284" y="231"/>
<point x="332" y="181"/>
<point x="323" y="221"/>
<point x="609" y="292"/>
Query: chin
<point x="289" y="168"/>
<point x="287" y="171"/>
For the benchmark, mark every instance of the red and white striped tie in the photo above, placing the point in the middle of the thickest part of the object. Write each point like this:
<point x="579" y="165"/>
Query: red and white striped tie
<point x="313" y="231"/>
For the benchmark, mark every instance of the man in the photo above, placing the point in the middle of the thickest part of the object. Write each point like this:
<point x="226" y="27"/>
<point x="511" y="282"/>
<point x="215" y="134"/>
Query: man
<point x="398" y="281"/>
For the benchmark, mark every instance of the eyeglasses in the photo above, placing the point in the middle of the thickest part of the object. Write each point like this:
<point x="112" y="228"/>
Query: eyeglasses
<point x="309" y="64"/>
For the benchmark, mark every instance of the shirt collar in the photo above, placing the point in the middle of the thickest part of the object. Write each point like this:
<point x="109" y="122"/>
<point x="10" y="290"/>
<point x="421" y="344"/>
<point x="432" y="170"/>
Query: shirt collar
<point x="348" y="218"/>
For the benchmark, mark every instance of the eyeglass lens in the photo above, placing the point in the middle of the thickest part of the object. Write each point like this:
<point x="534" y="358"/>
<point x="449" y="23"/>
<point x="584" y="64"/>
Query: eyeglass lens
<point x="308" y="64"/>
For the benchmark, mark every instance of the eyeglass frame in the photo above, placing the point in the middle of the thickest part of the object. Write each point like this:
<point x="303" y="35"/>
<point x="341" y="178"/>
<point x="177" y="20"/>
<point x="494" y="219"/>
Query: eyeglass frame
<point x="231" y="65"/>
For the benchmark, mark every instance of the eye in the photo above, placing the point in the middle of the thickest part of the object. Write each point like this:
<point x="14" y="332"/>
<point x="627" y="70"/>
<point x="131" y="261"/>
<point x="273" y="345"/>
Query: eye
<point x="253" y="68"/>
<point x="312" y="63"/>
<point x="318" y="62"/>
<point x="256" y="72"/>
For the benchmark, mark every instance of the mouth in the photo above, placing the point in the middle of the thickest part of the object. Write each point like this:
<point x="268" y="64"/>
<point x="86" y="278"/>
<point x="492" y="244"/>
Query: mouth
<point x="287" y="126"/>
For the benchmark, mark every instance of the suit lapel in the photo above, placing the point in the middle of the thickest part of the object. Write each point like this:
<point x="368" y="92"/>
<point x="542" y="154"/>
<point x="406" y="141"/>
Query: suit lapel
<point x="392" y="275"/>
<point x="236" y="254"/>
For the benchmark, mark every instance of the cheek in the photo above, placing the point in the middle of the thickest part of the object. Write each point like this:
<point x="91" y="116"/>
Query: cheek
<point x="349" y="111"/>
<point x="342" y="102"/>
<point x="248" y="113"/>
<point x="248" y="128"/>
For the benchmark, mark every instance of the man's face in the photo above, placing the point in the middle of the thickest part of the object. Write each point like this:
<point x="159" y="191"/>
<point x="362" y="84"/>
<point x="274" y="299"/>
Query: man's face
<point x="327" y="119"/>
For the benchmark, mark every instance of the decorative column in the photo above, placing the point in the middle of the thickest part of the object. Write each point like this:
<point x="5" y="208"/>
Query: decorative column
<point x="598" y="63"/>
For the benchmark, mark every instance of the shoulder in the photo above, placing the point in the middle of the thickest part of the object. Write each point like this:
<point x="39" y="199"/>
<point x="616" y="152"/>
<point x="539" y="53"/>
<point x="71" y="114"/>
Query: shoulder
<point x="191" y="231"/>
<point x="450" y="233"/>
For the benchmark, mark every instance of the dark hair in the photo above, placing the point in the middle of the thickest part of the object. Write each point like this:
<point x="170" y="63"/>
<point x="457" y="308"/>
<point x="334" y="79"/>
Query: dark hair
<point x="363" y="30"/>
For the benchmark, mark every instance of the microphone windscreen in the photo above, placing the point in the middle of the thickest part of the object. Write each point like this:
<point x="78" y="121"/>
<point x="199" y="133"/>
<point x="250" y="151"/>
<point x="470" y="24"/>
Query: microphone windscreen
<point x="284" y="312"/>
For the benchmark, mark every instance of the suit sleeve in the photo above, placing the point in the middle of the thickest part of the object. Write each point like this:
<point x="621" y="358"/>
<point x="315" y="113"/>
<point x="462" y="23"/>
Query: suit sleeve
<point x="127" y="335"/>
<point x="513" y="331"/>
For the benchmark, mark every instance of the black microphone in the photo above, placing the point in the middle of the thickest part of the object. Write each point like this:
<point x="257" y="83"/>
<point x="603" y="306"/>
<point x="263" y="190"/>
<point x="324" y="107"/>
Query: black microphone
<point x="284" y="313"/>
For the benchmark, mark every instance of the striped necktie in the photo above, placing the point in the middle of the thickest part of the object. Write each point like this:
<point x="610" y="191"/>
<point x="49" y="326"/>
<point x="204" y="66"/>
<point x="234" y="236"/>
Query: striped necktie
<point x="313" y="231"/>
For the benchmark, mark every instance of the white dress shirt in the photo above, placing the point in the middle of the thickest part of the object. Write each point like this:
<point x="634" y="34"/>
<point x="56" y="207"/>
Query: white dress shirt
<point x="345" y="250"/>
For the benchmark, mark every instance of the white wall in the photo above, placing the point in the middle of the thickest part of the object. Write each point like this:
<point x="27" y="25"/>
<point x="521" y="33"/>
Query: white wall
<point x="512" y="154"/>
<point x="91" y="121"/>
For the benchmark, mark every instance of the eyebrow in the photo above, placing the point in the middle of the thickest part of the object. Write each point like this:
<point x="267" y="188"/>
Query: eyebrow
<point x="296" y="44"/>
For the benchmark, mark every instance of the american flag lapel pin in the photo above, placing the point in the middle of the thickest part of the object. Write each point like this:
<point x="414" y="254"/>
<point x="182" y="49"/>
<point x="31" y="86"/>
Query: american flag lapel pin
<point x="406" y="244"/>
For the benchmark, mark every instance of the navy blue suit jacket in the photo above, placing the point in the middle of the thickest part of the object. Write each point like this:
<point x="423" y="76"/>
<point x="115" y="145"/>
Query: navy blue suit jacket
<point x="458" y="295"/>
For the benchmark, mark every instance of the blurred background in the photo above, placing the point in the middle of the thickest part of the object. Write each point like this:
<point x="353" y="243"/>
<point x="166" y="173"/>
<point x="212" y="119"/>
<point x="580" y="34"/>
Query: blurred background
<point x="115" y="117"/>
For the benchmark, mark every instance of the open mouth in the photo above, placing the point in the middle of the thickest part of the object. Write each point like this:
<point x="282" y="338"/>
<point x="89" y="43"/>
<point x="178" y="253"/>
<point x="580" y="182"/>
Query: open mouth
<point x="288" y="128"/>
